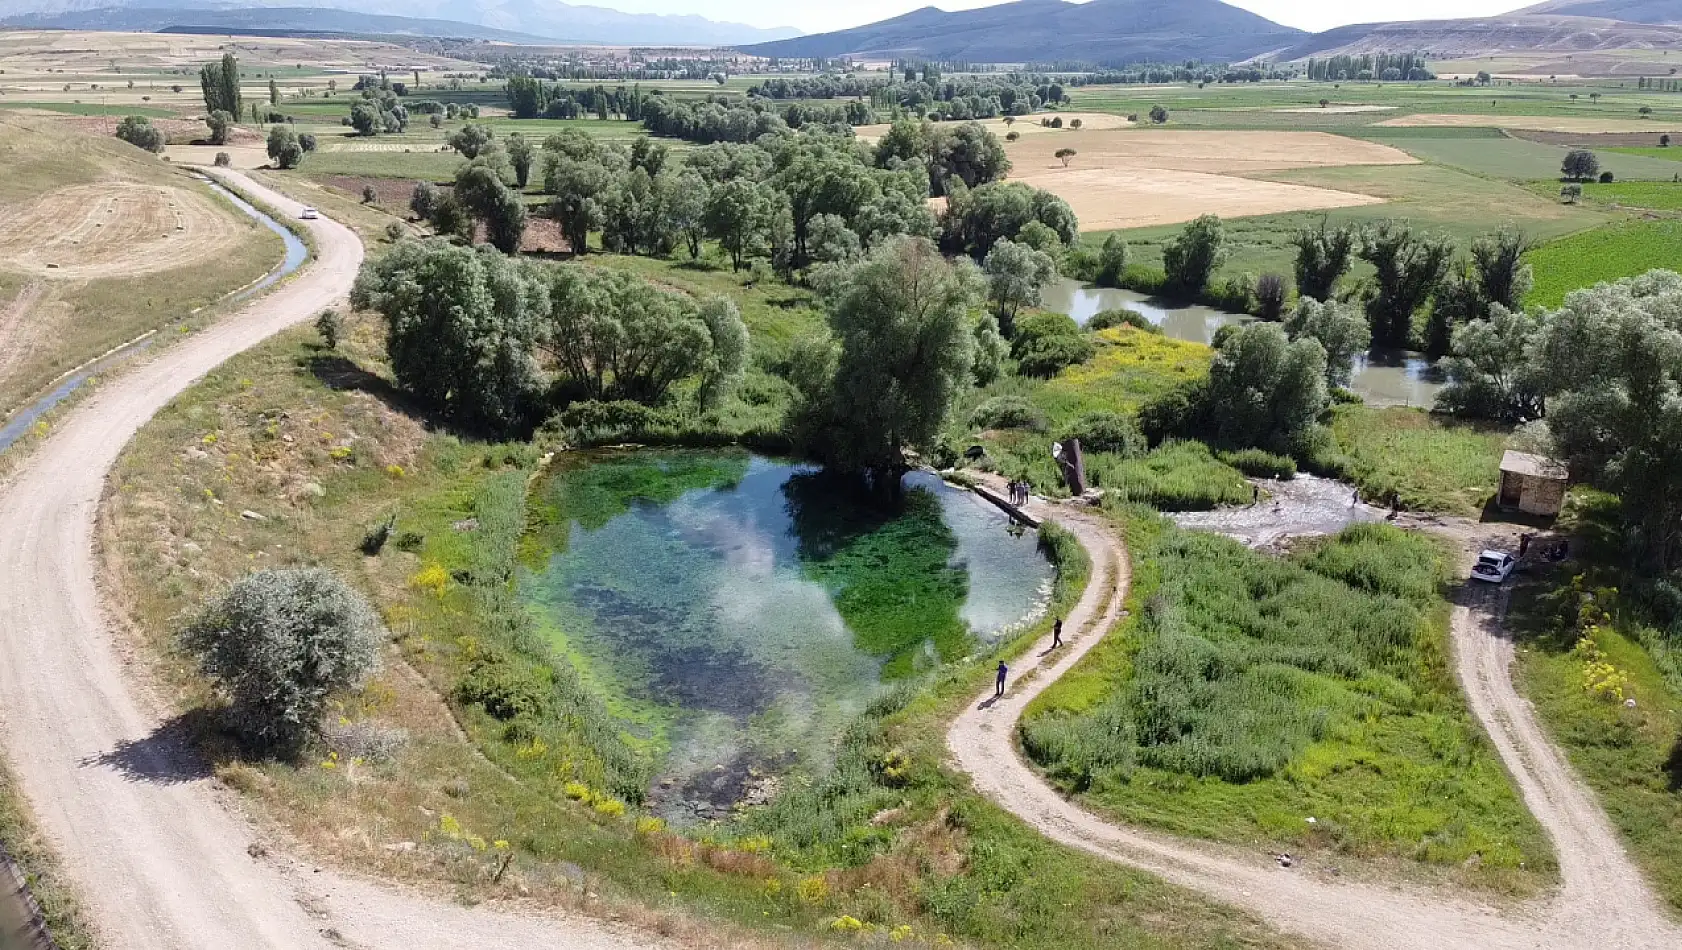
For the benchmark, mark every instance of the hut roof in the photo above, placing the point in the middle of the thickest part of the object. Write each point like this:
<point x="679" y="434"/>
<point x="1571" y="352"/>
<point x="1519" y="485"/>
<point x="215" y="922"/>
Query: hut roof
<point x="1536" y="466"/>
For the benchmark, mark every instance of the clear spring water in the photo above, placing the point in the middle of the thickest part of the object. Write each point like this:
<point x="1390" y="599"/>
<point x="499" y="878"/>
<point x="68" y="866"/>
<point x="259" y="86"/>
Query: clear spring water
<point x="740" y="610"/>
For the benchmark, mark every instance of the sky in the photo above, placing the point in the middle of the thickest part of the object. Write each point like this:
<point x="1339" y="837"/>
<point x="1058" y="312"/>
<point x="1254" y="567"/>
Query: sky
<point x="817" y="16"/>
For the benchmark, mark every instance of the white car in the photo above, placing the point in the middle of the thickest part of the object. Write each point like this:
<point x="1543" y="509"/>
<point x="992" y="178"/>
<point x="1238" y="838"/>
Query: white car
<point x="1494" y="566"/>
<point x="309" y="214"/>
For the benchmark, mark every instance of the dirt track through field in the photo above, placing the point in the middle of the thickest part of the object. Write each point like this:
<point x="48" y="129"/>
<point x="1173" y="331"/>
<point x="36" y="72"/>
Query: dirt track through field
<point x="159" y="857"/>
<point x="1603" y="901"/>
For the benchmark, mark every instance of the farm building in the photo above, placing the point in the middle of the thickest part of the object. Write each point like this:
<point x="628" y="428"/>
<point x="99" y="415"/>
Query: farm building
<point x="1533" y="484"/>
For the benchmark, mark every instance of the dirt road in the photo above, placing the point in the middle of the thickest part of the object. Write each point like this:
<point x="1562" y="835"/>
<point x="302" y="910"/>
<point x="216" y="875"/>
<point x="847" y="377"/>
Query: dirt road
<point x="1603" y="901"/>
<point x="160" y="860"/>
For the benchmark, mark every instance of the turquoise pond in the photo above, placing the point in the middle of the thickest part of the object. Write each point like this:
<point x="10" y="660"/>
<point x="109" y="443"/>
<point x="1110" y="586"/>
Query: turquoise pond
<point x="737" y="611"/>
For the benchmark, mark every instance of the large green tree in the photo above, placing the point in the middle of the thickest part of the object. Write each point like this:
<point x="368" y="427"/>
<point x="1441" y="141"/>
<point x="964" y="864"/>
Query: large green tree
<point x="1265" y="390"/>
<point x="461" y="324"/>
<point x="1323" y="256"/>
<point x="739" y="214"/>
<point x="1409" y="266"/>
<point x="1338" y="327"/>
<point x="482" y="194"/>
<point x="904" y="351"/>
<point x="1015" y="274"/>
<point x="219" y="81"/>
<point x="1191" y="258"/>
<point x="616" y="336"/>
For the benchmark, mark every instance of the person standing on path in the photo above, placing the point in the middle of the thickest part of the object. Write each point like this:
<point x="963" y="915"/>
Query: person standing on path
<point x="999" y="688"/>
<point x="1057" y="633"/>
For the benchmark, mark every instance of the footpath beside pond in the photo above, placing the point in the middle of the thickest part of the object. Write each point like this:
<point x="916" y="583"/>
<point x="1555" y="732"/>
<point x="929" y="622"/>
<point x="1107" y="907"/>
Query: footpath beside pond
<point x="1604" y="902"/>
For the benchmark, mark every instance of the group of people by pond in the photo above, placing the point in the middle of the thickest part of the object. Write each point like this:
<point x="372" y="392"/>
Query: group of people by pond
<point x="1019" y="491"/>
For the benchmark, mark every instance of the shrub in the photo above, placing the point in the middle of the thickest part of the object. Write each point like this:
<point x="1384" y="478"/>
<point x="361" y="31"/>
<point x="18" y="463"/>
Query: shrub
<point x="223" y="160"/>
<point x="137" y="130"/>
<point x="369" y="195"/>
<point x="1046" y="343"/>
<point x="1259" y="464"/>
<point x="1121" y="317"/>
<point x="1007" y="412"/>
<point x="1270" y="296"/>
<point x="1159" y="115"/>
<point x="1107" y="432"/>
<point x="1606" y="177"/>
<point x="395" y="231"/>
<point x="331" y="326"/>
<point x="278" y="643"/>
<point x="423" y="200"/>
<point x="614" y="420"/>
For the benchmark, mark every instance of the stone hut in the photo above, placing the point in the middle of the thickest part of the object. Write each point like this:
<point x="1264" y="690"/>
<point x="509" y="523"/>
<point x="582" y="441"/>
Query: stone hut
<point x="1533" y="484"/>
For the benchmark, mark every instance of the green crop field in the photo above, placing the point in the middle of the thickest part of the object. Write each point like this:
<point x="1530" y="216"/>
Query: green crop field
<point x="1653" y="195"/>
<point x="1512" y="158"/>
<point x="1667" y="153"/>
<point x="1431" y="197"/>
<point x="1623" y="249"/>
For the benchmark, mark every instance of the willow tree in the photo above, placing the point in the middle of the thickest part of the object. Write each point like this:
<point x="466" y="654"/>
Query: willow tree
<point x="902" y="354"/>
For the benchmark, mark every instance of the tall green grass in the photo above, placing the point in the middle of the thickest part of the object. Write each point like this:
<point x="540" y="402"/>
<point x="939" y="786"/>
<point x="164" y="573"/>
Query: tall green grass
<point x="1430" y="462"/>
<point x="1613" y="252"/>
<point x="1176" y="476"/>
<point x="1247" y="693"/>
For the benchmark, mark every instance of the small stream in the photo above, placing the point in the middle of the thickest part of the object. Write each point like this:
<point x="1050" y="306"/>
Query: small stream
<point x="1381" y="377"/>
<point x="1306" y="505"/>
<point x="296" y="253"/>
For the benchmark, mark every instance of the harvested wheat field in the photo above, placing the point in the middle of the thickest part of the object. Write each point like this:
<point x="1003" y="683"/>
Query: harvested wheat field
<point x="1142" y="178"/>
<point x="1105" y="198"/>
<point x="113" y="229"/>
<point x="1338" y="110"/>
<point x="1540" y="123"/>
<point x="1201" y="151"/>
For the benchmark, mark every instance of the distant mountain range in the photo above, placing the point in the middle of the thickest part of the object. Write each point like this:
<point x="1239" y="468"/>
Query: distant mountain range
<point x="1630" y="11"/>
<point x="509" y="20"/>
<point x="1101" y="31"/>
<point x="1479" y="36"/>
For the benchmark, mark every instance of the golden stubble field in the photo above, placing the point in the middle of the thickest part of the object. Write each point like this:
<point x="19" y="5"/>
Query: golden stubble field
<point x="1128" y="178"/>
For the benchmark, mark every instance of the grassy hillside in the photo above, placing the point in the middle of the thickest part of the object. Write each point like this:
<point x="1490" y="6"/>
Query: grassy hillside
<point x="51" y="321"/>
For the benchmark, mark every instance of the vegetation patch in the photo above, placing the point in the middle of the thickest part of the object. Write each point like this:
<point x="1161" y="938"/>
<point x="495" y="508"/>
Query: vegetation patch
<point x="1582" y="658"/>
<point x="1425" y="460"/>
<point x="1302" y="703"/>
<point x="1607" y="253"/>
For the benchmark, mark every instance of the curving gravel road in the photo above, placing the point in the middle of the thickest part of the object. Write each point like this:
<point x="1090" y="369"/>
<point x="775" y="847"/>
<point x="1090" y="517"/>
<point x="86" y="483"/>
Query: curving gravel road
<point x="162" y="863"/>
<point x="1603" y="902"/>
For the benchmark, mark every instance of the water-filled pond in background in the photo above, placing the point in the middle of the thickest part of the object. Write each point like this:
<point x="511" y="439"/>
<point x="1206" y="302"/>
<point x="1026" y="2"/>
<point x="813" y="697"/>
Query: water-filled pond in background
<point x="738" y="611"/>
<point x="1381" y="377"/>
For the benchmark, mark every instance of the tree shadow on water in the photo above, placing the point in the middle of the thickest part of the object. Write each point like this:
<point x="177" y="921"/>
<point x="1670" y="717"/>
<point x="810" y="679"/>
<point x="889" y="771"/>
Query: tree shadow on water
<point x="171" y="755"/>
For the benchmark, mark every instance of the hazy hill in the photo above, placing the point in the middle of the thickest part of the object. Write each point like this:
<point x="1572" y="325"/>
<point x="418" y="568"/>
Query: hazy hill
<point x="1633" y="11"/>
<point x="548" y="19"/>
<point x="1102" y="31"/>
<point x="1485" y="35"/>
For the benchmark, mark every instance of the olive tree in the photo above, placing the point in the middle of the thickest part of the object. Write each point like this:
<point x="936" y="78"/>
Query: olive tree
<point x="278" y="644"/>
<point x="461" y="324"/>
<point x="1015" y="273"/>
<point x="1066" y="154"/>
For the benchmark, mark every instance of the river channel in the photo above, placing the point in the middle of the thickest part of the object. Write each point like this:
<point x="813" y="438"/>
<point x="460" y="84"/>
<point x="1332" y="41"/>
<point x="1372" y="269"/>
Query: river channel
<point x="1381" y="377"/>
